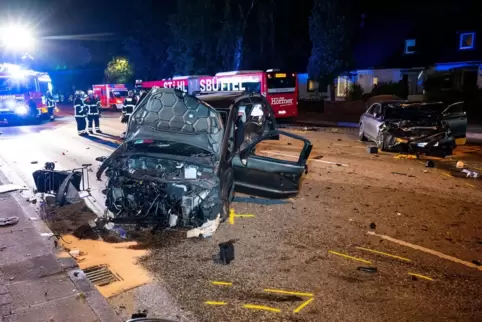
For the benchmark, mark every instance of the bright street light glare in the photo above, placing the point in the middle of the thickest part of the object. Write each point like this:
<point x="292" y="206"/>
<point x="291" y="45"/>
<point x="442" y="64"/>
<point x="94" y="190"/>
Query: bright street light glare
<point x="16" y="37"/>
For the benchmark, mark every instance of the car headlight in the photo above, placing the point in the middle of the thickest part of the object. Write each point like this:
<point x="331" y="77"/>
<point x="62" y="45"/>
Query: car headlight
<point x="21" y="110"/>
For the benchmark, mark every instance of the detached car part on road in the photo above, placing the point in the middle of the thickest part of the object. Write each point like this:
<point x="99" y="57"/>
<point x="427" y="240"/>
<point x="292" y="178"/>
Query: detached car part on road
<point x="414" y="127"/>
<point x="184" y="157"/>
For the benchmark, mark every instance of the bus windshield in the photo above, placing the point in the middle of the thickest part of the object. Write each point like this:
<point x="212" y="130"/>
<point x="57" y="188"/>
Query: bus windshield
<point x="12" y="86"/>
<point x="281" y="84"/>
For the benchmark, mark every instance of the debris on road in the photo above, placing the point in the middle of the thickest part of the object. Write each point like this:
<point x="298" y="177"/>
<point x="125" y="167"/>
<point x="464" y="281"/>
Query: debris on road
<point x="471" y="174"/>
<point x="372" y="149"/>
<point x="9" y="221"/>
<point x="11" y="187"/>
<point x="430" y="164"/>
<point x="318" y="157"/>
<point x="226" y="253"/>
<point x="367" y="269"/>
<point x="33" y="162"/>
<point x="399" y="173"/>
<point x="476" y="262"/>
<point x="373" y="226"/>
<point x="101" y="159"/>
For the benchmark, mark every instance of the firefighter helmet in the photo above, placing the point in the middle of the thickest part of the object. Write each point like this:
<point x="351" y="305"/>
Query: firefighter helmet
<point x="130" y="93"/>
<point x="90" y="92"/>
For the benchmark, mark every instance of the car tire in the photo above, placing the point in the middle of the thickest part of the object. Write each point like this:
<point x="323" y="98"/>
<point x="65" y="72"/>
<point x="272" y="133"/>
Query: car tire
<point x="361" y="133"/>
<point x="381" y="145"/>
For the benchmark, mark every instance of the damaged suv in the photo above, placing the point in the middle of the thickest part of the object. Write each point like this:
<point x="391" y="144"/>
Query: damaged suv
<point x="414" y="127"/>
<point x="184" y="157"/>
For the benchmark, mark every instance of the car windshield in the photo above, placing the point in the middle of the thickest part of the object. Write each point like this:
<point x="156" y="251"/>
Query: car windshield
<point x="119" y="94"/>
<point x="10" y="86"/>
<point x="413" y="112"/>
<point x="165" y="147"/>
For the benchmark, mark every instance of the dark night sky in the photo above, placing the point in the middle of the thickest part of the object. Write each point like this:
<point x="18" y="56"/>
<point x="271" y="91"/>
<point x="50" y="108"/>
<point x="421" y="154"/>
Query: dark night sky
<point x="72" y="17"/>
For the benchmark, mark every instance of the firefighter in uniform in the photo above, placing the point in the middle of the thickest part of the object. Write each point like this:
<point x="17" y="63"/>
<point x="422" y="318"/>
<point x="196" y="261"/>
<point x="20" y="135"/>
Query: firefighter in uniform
<point x="93" y="112"/>
<point x="130" y="103"/>
<point x="50" y="102"/>
<point x="80" y="113"/>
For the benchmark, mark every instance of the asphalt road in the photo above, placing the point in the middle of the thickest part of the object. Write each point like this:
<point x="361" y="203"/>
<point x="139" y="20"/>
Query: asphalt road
<point x="419" y="227"/>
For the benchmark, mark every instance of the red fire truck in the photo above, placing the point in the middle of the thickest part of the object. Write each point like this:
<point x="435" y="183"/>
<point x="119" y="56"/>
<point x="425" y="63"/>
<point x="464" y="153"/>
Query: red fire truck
<point x="111" y="95"/>
<point x="280" y="88"/>
<point x="22" y="95"/>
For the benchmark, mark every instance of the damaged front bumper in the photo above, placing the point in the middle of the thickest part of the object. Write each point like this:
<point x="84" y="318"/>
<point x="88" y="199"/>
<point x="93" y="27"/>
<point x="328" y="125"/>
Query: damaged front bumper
<point x="434" y="143"/>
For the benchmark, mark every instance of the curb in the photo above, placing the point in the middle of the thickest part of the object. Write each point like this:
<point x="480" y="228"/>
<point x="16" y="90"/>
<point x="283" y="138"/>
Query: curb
<point x="328" y="124"/>
<point x="97" y="303"/>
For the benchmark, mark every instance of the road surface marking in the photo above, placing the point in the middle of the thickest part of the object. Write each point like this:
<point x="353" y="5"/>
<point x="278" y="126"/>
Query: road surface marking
<point x="470" y="185"/>
<point x="421" y="276"/>
<point x="215" y="303"/>
<point x="350" y="257"/>
<point x="270" y="290"/>
<point x="426" y="250"/>
<point x="261" y="307"/>
<point x="303" y="305"/>
<point x="221" y="283"/>
<point x="297" y="156"/>
<point x="233" y="215"/>
<point x="385" y="254"/>
<point x="447" y="174"/>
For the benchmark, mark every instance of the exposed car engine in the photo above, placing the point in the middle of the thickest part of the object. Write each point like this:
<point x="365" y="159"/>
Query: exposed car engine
<point x="161" y="192"/>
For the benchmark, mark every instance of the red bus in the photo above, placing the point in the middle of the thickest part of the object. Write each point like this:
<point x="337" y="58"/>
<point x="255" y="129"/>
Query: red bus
<point x="280" y="88"/>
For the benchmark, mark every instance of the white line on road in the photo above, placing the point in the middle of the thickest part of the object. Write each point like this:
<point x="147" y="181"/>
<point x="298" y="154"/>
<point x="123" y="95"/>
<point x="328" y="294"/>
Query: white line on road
<point x="427" y="250"/>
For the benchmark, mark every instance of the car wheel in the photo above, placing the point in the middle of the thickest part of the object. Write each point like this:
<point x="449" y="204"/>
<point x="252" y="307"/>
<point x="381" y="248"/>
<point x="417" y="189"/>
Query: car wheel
<point x="361" y="133"/>
<point x="381" y="141"/>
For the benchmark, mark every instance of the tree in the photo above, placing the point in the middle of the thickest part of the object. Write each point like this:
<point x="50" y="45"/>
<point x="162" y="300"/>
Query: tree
<point x="119" y="70"/>
<point x="329" y="34"/>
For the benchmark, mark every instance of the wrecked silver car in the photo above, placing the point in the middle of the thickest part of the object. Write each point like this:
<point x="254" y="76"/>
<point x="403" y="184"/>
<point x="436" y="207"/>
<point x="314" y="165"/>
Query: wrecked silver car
<point x="414" y="127"/>
<point x="183" y="158"/>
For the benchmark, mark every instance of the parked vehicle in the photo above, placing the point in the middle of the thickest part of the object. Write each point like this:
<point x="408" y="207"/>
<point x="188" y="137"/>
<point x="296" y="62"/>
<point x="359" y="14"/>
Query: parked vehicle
<point x="22" y="95"/>
<point x="111" y="96"/>
<point x="280" y="88"/>
<point x="414" y="126"/>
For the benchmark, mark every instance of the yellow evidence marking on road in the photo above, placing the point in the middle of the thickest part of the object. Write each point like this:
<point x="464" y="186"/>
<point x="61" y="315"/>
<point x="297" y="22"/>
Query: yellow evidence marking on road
<point x="421" y="276"/>
<point x="447" y="174"/>
<point x="350" y="257"/>
<point x="303" y="305"/>
<point x="470" y="185"/>
<point x="221" y="283"/>
<point x="233" y="215"/>
<point x="270" y="290"/>
<point x="215" y="303"/>
<point x="384" y="254"/>
<point x="261" y="308"/>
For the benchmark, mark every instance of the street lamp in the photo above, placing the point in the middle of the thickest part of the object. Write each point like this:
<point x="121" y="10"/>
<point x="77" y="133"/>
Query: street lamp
<point x="16" y="37"/>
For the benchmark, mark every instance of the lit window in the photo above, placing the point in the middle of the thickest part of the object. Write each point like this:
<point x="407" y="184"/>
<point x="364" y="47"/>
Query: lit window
<point x="342" y="86"/>
<point x="467" y="40"/>
<point x="410" y="46"/>
<point x="312" y="85"/>
<point x="375" y="81"/>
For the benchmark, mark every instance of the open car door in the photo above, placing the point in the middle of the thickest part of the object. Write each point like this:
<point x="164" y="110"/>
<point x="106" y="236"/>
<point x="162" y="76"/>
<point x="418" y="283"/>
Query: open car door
<point x="267" y="176"/>
<point x="456" y="118"/>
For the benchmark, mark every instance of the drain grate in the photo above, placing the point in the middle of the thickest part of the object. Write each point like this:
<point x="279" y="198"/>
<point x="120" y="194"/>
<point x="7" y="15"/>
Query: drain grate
<point x="101" y="275"/>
